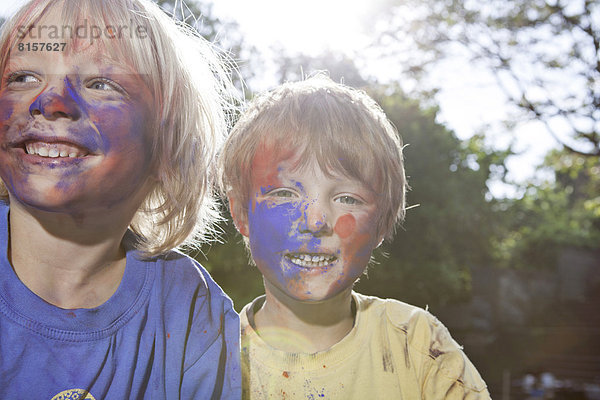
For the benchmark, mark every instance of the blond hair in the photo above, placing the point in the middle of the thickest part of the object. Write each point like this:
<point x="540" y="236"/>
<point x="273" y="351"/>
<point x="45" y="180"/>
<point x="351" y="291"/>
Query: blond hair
<point x="341" y="128"/>
<point x="191" y="96"/>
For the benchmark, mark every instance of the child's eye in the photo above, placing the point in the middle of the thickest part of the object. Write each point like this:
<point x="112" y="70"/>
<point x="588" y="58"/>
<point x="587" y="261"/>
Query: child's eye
<point x="347" y="200"/>
<point x="22" y="79"/>
<point x="104" y="85"/>
<point x="282" y="193"/>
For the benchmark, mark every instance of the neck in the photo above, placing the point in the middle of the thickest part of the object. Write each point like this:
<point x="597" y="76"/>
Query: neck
<point x="302" y="326"/>
<point x="68" y="262"/>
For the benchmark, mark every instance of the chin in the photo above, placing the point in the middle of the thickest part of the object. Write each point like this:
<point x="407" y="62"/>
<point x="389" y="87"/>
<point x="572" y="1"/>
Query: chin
<point x="315" y="295"/>
<point x="40" y="196"/>
<point x="46" y="204"/>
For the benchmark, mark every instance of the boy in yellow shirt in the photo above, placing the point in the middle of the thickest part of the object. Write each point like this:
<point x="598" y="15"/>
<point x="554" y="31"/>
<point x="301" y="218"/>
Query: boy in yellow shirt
<point x="315" y="179"/>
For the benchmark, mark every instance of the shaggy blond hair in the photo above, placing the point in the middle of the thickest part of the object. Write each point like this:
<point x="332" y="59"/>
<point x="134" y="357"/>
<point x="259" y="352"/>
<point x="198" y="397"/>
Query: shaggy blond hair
<point x="341" y="128"/>
<point x="191" y="95"/>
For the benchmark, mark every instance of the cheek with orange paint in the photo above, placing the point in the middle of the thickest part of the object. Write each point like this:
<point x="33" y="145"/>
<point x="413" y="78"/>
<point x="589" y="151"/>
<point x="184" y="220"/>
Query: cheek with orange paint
<point x="357" y="241"/>
<point x="345" y="226"/>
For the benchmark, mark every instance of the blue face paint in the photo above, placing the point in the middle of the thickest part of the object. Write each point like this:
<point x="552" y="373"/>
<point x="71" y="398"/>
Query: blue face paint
<point x="305" y="237"/>
<point x="104" y="126"/>
<point x="6" y="109"/>
<point x="275" y="231"/>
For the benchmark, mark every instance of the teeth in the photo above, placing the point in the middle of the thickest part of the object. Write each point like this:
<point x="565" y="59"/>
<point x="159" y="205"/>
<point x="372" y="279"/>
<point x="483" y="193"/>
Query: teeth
<point x="311" y="260"/>
<point x="53" y="150"/>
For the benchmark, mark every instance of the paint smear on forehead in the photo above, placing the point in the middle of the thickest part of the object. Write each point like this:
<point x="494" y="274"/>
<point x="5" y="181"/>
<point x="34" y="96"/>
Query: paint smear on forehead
<point x="265" y="167"/>
<point x="266" y="161"/>
<point x="265" y="171"/>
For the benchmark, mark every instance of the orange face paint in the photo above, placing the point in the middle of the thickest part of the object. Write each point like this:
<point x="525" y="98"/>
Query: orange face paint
<point x="345" y="226"/>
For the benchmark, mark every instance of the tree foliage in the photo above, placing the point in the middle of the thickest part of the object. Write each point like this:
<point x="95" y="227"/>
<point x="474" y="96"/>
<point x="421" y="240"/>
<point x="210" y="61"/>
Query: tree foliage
<point x="562" y="211"/>
<point x="544" y="54"/>
<point x="449" y="230"/>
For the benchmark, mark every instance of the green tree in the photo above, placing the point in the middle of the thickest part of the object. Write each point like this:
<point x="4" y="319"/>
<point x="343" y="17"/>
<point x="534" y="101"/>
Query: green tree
<point x="544" y="54"/>
<point x="450" y="229"/>
<point x="561" y="211"/>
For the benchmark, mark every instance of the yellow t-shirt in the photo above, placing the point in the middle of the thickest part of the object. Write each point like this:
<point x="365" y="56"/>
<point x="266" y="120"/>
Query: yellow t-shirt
<point x="394" y="351"/>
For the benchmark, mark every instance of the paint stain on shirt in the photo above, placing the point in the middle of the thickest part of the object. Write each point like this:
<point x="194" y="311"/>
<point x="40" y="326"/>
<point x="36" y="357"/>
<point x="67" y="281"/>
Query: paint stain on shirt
<point x="388" y="363"/>
<point x="435" y="353"/>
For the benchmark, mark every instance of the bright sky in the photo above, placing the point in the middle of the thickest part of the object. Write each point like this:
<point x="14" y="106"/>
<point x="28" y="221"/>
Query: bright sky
<point x="468" y="99"/>
<point x="7" y="7"/>
<point x="308" y="25"/>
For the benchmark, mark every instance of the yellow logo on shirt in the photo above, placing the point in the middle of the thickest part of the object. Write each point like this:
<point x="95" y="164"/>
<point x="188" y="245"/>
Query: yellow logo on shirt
<point x="74" y="394"/>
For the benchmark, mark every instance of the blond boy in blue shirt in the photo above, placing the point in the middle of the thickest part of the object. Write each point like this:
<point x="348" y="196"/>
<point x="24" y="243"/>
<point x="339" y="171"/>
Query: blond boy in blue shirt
<point x="111" y="114"/>
<point x="315" y="180"/>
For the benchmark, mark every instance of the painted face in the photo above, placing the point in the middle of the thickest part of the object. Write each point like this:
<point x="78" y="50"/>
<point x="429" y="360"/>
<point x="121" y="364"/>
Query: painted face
<point x="311" y="234"/>
<point x="73" y="130"/>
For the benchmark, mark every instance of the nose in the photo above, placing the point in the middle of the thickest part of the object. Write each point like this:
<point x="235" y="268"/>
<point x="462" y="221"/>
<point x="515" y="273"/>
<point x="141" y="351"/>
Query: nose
<point x="316" y="218"/>
<point x="57" y="102"/>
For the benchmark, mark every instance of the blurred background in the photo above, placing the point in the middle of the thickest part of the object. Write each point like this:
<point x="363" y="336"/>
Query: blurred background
<point x="499" y="103"/>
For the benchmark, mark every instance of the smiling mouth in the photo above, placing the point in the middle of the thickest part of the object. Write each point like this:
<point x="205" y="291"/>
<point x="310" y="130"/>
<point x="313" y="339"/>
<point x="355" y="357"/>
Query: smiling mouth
<point x="53" y="150"/>
<point x="311" y="260"/>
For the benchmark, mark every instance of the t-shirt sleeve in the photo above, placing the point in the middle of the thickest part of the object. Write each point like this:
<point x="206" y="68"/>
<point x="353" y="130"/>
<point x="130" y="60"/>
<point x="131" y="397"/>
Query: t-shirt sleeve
<point x="442" y="368"/>
<point x="448" y="374"/>
<point x="215" y="372"/>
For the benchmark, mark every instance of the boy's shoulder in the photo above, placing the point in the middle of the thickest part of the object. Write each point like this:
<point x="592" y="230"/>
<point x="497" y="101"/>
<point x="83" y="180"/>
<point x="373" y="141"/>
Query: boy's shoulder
<point x="180" y="267"/>
<point x="178" y="277"/>
<point x="427" y="339"/>
<point x="186" y="290"/>
<point x="171" y="267"/>
<point x="412" y="320"/>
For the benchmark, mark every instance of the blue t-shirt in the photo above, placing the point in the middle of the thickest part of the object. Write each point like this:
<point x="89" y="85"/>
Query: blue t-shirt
<point x="168" y="332"/>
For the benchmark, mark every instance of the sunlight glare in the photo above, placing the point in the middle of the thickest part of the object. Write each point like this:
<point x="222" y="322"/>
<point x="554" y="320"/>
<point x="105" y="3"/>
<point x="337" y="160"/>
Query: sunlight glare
<point x="308" y="26"/>
<point x="8" y="7"/>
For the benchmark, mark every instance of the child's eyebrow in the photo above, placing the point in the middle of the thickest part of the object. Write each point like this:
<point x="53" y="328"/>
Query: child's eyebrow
<point x="297" y="184"/>
<point x="284" y="181"/>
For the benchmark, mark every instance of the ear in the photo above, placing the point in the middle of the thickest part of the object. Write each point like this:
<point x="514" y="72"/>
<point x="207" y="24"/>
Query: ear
<point x="240" y="219"/>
